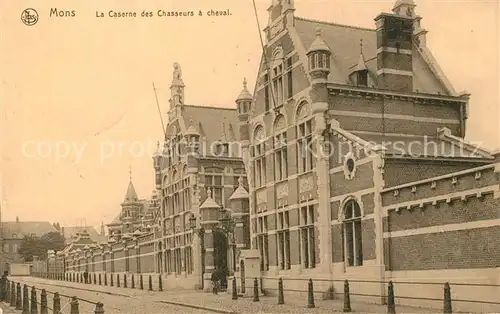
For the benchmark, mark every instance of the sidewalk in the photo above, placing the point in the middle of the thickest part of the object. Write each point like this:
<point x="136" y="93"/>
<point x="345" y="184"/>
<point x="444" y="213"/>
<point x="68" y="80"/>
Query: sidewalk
<point x="222" y="303"/>
<point x="6" y="309"/>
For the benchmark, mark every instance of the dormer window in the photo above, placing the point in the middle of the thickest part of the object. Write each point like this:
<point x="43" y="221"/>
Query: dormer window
<point x="363" y="78"/>
<point x="223" y="149"/>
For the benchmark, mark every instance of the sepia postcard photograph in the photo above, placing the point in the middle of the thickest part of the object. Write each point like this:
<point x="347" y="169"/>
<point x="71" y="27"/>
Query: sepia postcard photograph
<point x="249" y="156"/>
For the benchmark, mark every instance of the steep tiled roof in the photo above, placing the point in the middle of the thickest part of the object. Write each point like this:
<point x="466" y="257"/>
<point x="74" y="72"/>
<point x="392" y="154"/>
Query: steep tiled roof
<point x="344" y="42"/>
<point x="209" y="122"/>
<point x="69" y="232"/>
<point x="24" y="228"/>
<point x="131" y="195"/>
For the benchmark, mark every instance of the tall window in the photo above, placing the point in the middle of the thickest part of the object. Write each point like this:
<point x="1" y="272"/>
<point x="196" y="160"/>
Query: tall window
<point x="278" y="84"/>
<point x="214" y="182"/>
<point x="289" y="78"/>
<point x="186" y="200"/>
<point x="266" y="92"/>
<point x="353" y="238"/>
<point x="127" y="261"/>
<point x="307" y="241"/>
<point x="260" y="164"/>
<point x="284" y="240"/>
<point x="304" y="142"/>
<point x="280" y="157"/>
<point x="263" y="243"/>
<point x="168" y="261"/>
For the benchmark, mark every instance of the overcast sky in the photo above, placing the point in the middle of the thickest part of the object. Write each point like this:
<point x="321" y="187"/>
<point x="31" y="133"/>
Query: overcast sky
<point x="86" y="83"/>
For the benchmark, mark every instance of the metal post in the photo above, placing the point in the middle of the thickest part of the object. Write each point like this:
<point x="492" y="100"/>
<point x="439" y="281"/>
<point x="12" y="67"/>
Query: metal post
<point x="118" y="280"/>
<point x="141" y="282"/>
<point x="99" y="308"/>
<point x="56" y="305"/>
<point x="34" y="304"/>
<point x="133" y="281"/>
<point x="391" y="306"/>
<point x="447" y="308"/>
<point x="310" y="295"/>
<point x="160" y="283"/>
<point x="124" y="280"/>
<point x="111" y="278"/>
<point x="150" y="283"/>
<point x="26" y="300"/>
<point x="255" y="290"/>
<point x="347" y="298"/>
<point x="105" y="279"/>
<point x="281" y="295"/>
<point x="74" y="306"/>
<point x="100" y="281"/>
<point x="235" y="292"/>
<point x="13" y="294"/>
<point x="95" y="281"/>
<point x="43" y="302"/>
<point x="19" y="299"/>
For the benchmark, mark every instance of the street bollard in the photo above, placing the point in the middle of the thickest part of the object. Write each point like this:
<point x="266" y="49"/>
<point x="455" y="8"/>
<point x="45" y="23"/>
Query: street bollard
<point x="125" y="281"/>
<point x="100" y="281"/>
<point x="447" y="299"/>
<point x="111" y="279"/>
<point x="105" y="279"/>
<point x="235" y="293"/>
<point x="99" y="308"/>
<point x="13" y="294"/>
<point x="56" y="303"/>
<point x="347" y="298"/>
<point x="89" y="278"/>
<point x="43" y="302"/>
<point x="19" y="299"/>
<point x="310" y="295"/>
<point x="74" y="306"/>
<point x="34" y="304"/>
<point x="281" y="296"/>
<point x="118" y="280"/>
<point x="7" y="291"/>
<point x="95" y="281"/>
<point x="160" y="283"/>
<point x="391" y="306"/>
<point x="255" y="290"/>
<point x="133" y="281"/>
<point x="141" y="283"/>
<point x="77" y="278"/>
<point x="26" y="300"/>
<point x="150" y="283"/>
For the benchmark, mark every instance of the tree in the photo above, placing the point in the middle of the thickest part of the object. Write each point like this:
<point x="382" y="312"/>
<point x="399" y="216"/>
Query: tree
<point x="35" y="246"/>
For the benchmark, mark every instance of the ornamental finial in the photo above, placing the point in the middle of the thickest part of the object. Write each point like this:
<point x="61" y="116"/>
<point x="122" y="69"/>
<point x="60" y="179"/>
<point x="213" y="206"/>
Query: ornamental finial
<point x="240" y="181"/>
<point x="245" y="83"/>
<point x="209" y="192"/>
<point x="318" y="31"/>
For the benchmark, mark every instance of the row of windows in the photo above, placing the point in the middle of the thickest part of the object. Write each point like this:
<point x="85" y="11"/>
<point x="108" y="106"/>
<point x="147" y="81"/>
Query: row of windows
<point x="277" y="94"/>
<point x="351" y="234"/>
<point x="305" y="155"/>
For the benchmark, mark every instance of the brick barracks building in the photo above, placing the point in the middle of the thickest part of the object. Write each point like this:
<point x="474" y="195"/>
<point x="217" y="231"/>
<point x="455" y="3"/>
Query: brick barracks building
<point x="348" y="162"/>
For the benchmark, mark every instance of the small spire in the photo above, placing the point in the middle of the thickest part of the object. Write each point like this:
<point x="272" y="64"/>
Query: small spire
<point x="209" y="193"/>
<point x="318" y="31"/>
<point x="130" y="172"/>
<point x="361" y="45"/>
<point x="157" y="145"/>
<point x="245" y="83"/>
<point x="240" y="181"/>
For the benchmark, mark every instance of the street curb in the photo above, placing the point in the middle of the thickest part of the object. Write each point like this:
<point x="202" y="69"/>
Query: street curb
<point x="198" y="307"/>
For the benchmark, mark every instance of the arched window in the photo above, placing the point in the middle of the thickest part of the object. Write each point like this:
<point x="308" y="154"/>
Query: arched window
<point x="280" y="150"/>
<point x="353" y="242"/>
<point x="259" y="154"/>
<point x="305" y="156"/>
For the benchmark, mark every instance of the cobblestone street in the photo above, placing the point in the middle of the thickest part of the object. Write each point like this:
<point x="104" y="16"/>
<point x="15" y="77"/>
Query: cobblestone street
<point x="126" y="300"/>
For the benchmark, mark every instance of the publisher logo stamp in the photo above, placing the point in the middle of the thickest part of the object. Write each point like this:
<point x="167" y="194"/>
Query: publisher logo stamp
<point x="29" y="17"/>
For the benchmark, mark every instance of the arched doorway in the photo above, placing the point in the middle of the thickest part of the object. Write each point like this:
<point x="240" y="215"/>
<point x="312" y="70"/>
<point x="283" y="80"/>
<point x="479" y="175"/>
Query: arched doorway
<point x="220" y="257"/>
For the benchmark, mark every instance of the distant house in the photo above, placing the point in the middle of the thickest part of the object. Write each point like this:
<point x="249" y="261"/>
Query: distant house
<point x="71" y="232"/>
<point x="12" y="234"/>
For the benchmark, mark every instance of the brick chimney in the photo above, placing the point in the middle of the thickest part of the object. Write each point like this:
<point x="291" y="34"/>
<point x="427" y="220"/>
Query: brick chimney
<point x="394" y="52"/>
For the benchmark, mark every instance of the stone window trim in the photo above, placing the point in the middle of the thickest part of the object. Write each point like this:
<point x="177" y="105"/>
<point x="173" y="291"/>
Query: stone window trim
<point x="352" y="245"/>
<point x="357" y="199"/>
<point x="348" y="174"/>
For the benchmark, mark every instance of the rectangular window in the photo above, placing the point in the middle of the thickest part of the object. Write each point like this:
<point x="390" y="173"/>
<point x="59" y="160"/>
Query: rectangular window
<point x="214" y="182"/>
<point x="266" y="91"/>
<point x="185" y="195"/>
<point x="280" y="158"/>
<point x="307" y="238"/>
<point x="305" y="150"/>
<point x="278" y="85"/>
<point x="283" y="241"/>
<point x="260" y="165"/>
<point x="289" y="78"/>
